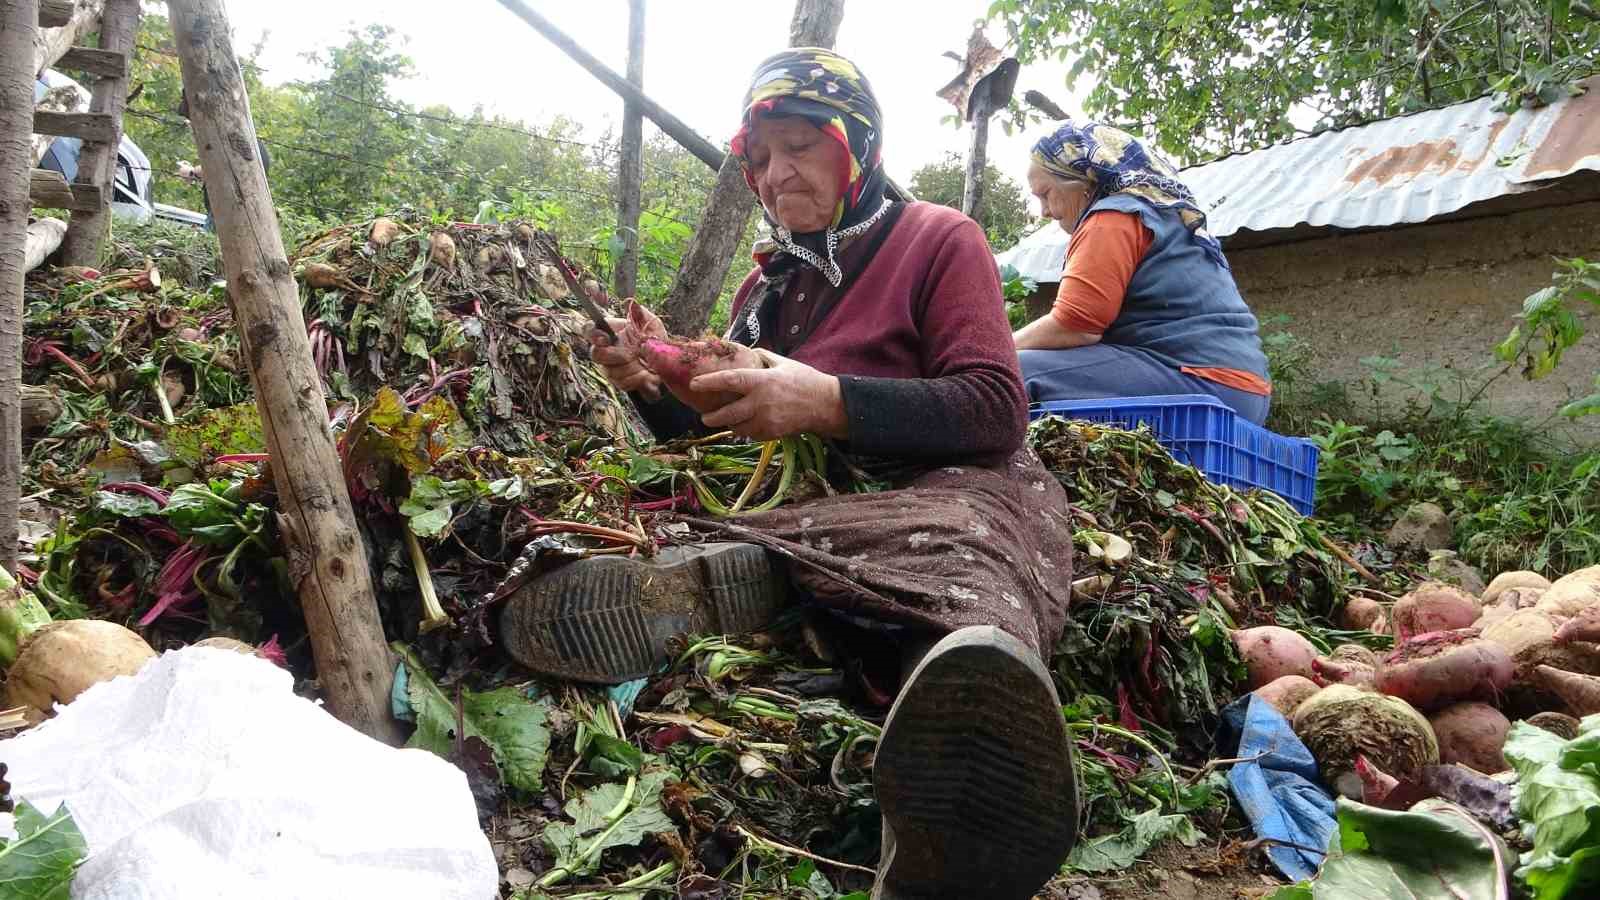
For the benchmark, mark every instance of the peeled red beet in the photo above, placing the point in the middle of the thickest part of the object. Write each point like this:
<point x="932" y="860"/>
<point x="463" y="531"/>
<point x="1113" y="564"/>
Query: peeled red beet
<point x="1434" y="606"/>
<point x="1444" y="667"/>
<point x="679" y="361"/>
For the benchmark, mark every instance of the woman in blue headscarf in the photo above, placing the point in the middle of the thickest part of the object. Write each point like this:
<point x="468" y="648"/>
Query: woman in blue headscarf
<point x="1147" y="304"/>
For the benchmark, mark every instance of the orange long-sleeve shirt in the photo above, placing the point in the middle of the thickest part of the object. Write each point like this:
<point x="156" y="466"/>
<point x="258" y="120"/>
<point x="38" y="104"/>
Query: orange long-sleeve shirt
<point x="1104" y="252"/>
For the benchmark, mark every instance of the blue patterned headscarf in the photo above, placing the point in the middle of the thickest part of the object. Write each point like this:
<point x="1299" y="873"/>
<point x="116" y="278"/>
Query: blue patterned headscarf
<point x="1113" y="161"/>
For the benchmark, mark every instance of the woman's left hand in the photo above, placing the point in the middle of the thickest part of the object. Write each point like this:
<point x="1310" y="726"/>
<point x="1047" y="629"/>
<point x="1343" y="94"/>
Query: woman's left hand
<point x="786" y="398"/>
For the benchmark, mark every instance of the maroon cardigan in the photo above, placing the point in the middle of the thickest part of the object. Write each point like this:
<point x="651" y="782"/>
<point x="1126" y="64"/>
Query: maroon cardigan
<point x="919" y="340"/>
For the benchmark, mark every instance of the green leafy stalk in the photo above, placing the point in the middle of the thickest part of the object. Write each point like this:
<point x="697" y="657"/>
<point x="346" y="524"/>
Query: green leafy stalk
<point x="21" y="614"/>
<point x="41" y="861"/>
<point x="613" y="820"/>
<point x="433" y="615"/>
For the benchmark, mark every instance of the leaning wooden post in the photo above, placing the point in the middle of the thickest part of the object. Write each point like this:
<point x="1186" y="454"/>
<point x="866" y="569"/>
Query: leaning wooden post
<point x="18" y="23"/>
<point x="982" y="88"/>
<point x="327" y="560"/>
<point x="630" y="164"/>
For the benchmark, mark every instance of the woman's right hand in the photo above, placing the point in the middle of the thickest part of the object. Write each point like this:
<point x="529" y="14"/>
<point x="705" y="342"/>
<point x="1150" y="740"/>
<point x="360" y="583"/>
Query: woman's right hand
<point x="619" y="359"/>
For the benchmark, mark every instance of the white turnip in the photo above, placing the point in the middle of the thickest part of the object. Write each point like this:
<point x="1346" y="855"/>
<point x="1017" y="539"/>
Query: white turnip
<point x="383" y="232"/>
<point x="1571" y="594"/>
<point x="1340" y="723"/>
<point x="1438" y="668"/>
<point x="1350" y="664"/>
<point x="1434" y="606"/>
<point x="1580" y="693"/>
<point x="1585" y="626"/>
<point x="53" y="662"/>
<point x="1529" y="636"/>
<point x="442" y="250"/>
<point x="1507" y="580"/>
<point x="1359" y="613"/>
<point x="1271" y="652"/>
<point x="1471" y="734"/>
<point x="1556" y="723"/>
<point x="1509" y="601"/>
<point x="1287" y="693"/>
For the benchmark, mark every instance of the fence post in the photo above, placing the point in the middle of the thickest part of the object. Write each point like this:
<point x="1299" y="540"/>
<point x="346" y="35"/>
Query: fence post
<point x="18" y="26"/>
<point x="630" y="168"/>
<point x="327" y="561"/>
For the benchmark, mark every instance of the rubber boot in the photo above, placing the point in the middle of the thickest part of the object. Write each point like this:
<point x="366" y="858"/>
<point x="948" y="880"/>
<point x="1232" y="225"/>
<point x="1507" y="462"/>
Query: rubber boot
<point x="607" y="619"/>
<point x="975" y="775"/>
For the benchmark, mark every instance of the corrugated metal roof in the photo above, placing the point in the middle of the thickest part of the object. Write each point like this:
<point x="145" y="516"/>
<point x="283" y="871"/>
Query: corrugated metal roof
<point x="1408" y="169"/>
<point x="1402" y="170"/>
<point x="1040" y="256"/>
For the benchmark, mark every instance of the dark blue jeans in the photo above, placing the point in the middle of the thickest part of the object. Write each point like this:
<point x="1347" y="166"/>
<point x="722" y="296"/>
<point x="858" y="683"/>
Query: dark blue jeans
<point x="1112" y="370"/>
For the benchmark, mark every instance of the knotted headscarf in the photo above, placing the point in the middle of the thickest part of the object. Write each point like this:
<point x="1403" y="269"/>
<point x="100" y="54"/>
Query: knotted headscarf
<point x="1113" y="161"/>
<point x="828" y="91"/>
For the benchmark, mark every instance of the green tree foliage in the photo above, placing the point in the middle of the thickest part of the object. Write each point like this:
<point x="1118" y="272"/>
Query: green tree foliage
<point x="1004" y="215"/>
<point x="1551" y="325"/>
<point x="1202" y="78"/>
<point x="344" y="145"/>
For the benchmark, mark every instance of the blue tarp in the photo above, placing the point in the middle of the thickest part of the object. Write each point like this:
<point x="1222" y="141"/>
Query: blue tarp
<point x="1278" y="789"/>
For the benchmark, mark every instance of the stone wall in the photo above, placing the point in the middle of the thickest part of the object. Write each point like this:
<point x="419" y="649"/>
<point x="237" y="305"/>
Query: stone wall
<point x="1439" y="294"/>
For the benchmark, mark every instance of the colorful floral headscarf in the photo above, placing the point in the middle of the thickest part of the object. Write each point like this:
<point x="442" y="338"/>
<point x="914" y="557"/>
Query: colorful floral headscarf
<point x="827" y="90"/>
<point x="1113" y="161"/>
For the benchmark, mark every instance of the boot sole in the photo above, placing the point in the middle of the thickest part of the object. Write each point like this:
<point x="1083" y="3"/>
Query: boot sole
<point x="608" y="619"/>
<point x="975" y="774"/>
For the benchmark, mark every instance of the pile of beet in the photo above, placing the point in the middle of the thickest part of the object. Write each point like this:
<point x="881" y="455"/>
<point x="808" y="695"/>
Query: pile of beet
<point x="1463" y="667"/>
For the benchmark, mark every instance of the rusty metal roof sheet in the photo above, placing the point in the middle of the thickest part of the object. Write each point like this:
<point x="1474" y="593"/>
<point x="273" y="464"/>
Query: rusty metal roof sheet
<point x="1407" y="169"/>
<point x="1403" y="170"/>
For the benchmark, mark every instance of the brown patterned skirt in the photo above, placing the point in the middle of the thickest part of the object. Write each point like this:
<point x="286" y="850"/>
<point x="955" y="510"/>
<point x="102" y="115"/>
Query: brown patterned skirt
<point x="951" y="547"/>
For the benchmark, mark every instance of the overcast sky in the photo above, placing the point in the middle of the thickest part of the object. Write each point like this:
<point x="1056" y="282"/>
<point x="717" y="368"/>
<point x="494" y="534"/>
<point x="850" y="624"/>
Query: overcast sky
<point x="698" y="58"/>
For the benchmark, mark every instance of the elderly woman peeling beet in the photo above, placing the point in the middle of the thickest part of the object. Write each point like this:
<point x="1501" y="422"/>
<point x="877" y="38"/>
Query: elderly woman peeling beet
<point x="879" y="325"/>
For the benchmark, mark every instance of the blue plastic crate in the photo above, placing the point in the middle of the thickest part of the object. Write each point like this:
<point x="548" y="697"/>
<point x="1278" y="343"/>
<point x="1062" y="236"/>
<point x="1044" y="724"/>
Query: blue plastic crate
<point x="1286" y="466"/>
<point x="1204" y="432"/>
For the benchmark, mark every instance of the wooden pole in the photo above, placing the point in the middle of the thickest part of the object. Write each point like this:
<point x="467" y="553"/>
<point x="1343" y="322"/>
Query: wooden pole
<point x="1045" y="105"/>
<point x="977" y="153"/>
<point x="97" y="162"/>
<point x="630" y="167"/>
<point x="655" y="112"/>
<point x="704" y="265"/>
<point x="705" y="262"/>
<point x="19" y="22"/>
<point x="658" y="114"/>
<point x="327" y="561"/>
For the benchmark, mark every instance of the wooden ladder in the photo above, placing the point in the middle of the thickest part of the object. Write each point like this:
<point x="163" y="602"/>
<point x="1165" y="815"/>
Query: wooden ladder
<point x="88" y="197"/>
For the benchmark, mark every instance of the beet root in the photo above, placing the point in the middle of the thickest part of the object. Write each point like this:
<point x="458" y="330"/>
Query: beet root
<point x="1561" y="724"/>
<point x="1571" y="594"/>
<point x="1350" y="664"/>
<point x="1340" y="723"/>
<point x="1473" y="735"/>
<point x="1585" y="626"/>
<point x="678" y="362"/>
<point x="1271" y="652"/>
<point x="1580" y="693"/>
<point x="1359" y="613"/>
<point x="1434" y="606"/>
<point x="1507" y="580"/>
<point x="1444" y="667"/>
<point x="1287" y="693"/>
